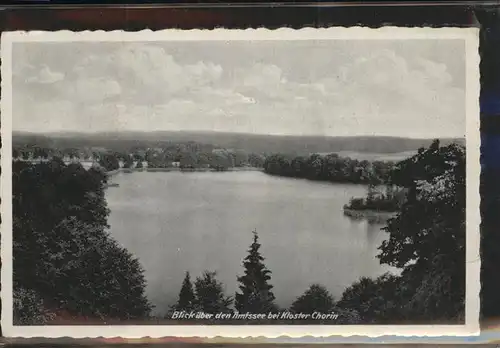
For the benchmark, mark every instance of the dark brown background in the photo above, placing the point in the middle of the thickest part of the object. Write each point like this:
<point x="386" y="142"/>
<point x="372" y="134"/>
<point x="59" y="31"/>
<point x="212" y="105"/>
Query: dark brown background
<point x="134" y="17"/>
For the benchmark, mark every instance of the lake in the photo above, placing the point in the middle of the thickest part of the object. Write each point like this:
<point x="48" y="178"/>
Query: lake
<point x="177" y="222"/>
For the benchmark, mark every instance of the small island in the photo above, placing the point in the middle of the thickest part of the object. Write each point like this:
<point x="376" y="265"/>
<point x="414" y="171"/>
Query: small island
<point x="377" y="206"/>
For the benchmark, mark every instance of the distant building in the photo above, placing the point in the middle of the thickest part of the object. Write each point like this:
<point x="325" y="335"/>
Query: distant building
<point x="69" y="159"/>
<point x="87" y="164"/>
<point x="176" y="164"/>
<point x="220" y="151"/>
<point x="144" y="164"/>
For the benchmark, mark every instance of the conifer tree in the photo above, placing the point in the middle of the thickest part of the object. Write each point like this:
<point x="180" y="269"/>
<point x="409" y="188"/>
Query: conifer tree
<point x="210" y="297"/>
<point x="256" y="293"/>
<point x="187" y="298"/>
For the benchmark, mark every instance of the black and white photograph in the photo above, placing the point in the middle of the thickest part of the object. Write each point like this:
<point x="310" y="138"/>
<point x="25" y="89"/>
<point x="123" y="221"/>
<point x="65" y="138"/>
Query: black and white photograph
<point x="227" y="182"/>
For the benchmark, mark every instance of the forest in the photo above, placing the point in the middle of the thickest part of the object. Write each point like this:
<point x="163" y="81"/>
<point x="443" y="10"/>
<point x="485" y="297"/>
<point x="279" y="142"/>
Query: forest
<point x="330" y="167"/>
<point x="188" y="155"/>
<point x="66" y="264"/>
<point x="65" y="261"/>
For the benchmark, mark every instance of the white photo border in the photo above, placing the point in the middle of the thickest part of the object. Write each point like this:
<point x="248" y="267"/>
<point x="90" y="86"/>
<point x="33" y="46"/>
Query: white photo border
<point x="473" y="219"/>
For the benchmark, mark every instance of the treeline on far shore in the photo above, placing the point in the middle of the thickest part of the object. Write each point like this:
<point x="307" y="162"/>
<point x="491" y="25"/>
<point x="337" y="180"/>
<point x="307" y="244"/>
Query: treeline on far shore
<point x="192" y="155"/>
<point x="67" y="267"/>
<point x="188" y="155"/>
<point x="382" y="196"/>
<point x="330" y="167"/>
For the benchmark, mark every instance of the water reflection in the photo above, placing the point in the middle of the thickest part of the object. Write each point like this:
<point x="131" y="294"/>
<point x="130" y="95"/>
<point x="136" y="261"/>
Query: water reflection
<point x="204" y="221"/>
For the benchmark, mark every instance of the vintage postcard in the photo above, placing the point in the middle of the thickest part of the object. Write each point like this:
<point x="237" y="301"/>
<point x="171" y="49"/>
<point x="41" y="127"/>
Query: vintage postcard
<point x="237" y="183"/>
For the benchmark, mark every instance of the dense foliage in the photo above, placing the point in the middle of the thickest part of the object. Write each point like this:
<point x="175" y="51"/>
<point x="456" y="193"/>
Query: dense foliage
<point x="189" y="155"/>
<point x="109" y="162"/>
<point x="127" y="160"/>
<point x="329" y="167"/>
<point x="218" y="159"/>
<point x="64" y="259"/>
<point x="187" y="297"/>
<point x="389" y="201"/>
<point x="426" y="242"/>
<point x="377" y="301"/>
<point x="210" y="297"/>
<point x="206" y="295"/>
<point x="316" y="299"/>
<point x="427" y="237"/>
<point x="29" y="308"/>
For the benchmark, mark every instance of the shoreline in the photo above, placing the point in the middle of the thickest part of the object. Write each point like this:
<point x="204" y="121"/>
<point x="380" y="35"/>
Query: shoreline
<point x="339" y="182"/>
<point x="177" y="169"/>
<point x="370" y="215"/>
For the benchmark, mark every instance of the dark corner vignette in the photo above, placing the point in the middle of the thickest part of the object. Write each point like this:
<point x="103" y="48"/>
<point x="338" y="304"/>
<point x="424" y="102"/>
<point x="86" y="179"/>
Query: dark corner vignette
<point x="490" y="165"/>
<point x="45" y="19"/>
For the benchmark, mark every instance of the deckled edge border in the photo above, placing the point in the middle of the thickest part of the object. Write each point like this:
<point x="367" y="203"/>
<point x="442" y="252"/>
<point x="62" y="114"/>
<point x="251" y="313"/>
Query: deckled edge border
<point x="471" y="328"/>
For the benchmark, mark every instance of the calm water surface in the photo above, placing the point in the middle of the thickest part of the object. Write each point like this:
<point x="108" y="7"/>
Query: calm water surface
<point x="176" y="222"/>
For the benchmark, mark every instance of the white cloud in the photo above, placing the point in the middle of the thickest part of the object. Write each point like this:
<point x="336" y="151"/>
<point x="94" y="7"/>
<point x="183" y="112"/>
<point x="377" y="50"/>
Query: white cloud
<point x="262" y="75"/>
<point x="46" y="76"/>
<point x="381" y="92"/>
<point x="386" y="89"/>
<point x="151" y="71"/>
<point x="91" y="90"/>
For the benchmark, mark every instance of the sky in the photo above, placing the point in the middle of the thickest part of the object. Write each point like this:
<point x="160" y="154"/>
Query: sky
<point x="409" y="88"/>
